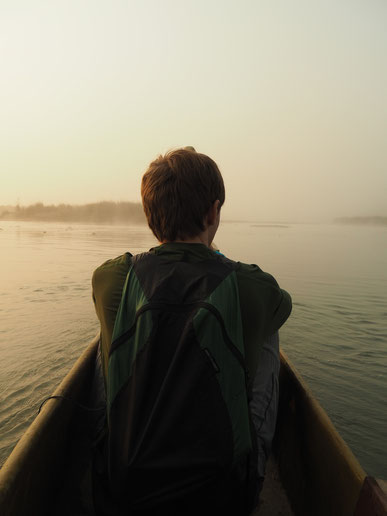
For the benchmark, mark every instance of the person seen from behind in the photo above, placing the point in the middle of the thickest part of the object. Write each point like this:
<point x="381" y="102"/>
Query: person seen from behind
<point x="190" y="357"/>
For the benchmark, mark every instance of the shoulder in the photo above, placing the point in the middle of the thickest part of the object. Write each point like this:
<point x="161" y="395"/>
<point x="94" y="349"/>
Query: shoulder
<point x="111" y="271"/>
<point x="259" y="291"/>
<point x="254" y="277"/>
<point x="121" y="262"/>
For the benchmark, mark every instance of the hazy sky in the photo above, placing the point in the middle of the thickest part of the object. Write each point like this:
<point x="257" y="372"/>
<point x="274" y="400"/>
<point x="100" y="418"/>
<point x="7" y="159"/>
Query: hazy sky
<point x="289" y="98"/>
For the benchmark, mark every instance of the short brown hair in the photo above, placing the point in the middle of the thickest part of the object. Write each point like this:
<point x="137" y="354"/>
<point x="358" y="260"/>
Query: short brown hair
<point x="177" y="191"/>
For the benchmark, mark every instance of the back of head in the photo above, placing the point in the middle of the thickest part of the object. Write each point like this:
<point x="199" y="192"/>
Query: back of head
<point x="177" y="192"/>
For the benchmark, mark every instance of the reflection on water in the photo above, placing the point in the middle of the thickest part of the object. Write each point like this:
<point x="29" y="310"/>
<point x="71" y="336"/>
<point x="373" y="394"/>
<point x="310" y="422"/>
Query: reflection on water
<point x="336" y="337"/>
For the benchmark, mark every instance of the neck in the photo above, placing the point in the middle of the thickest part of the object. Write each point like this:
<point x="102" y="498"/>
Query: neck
<point x="202" y="238"/>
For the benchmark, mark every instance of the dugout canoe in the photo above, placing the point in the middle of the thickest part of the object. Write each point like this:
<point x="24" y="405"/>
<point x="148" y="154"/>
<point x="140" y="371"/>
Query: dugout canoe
<point x="313" y="464"/>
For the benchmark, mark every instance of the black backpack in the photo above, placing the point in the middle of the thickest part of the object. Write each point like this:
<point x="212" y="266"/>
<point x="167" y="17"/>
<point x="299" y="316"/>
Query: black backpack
<point x="180" y="436"/>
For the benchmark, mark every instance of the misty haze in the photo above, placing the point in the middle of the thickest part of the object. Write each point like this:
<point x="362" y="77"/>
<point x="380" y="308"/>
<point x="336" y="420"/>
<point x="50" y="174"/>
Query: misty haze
<point x="288" y="98"/>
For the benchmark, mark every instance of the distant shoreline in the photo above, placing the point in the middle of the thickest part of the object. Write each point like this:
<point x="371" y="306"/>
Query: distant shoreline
<point x="105" y="212"/>
<point x="363" y="221"/>
<point x="124" y="212"/>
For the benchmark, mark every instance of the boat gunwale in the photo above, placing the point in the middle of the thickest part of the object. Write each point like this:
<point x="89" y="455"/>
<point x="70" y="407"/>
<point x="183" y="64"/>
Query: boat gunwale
<point x="321" y="414"/>
<point x="317" y="468"/>
<point x="17" y="478"/>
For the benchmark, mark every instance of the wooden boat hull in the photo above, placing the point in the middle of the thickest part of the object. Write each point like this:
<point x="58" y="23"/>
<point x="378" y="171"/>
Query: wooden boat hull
<point x="32" y="476"/>
<point x="318" y="470"/>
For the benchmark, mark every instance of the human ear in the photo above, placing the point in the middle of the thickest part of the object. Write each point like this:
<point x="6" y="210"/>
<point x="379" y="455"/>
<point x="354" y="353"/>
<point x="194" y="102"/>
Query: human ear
<point x="213" y="213"/>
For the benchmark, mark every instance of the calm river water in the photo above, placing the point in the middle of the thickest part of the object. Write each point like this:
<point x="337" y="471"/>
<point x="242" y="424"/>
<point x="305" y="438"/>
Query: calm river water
<point x="336" y="336"/>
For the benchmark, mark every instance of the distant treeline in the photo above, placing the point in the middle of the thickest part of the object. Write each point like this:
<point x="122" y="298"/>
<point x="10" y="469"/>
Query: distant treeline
<point x="372" y="221"/>
<point x="105" y="212"/>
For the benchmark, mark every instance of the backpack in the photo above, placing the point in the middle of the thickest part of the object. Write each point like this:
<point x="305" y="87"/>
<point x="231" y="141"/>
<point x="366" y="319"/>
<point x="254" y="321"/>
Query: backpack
<point x="180" y="435"/>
